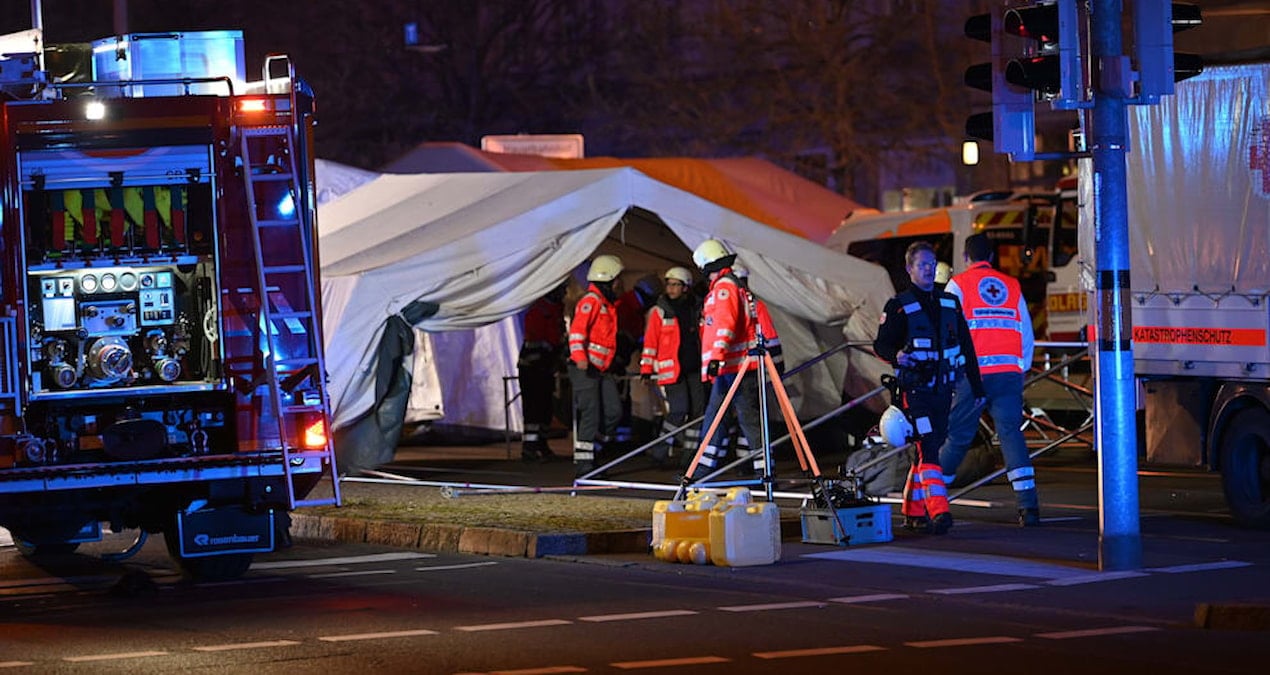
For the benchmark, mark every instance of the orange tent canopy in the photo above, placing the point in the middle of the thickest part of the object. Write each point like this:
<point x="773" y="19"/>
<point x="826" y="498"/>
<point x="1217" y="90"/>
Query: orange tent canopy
<point x="750" y="186"/>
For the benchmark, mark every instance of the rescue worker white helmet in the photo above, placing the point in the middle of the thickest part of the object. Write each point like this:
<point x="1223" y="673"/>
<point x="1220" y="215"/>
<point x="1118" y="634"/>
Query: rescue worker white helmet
<point x="894" y="427"/>
<point x="943" y="272"/>
<point x="680" y="274"/>
<point x="604" y="268"/>
<point x="740" y="271"/>
<point x="710" y="250"/>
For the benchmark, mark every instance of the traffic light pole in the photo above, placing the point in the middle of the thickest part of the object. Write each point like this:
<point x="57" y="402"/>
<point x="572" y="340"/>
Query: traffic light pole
<point x="1120" y="542"/>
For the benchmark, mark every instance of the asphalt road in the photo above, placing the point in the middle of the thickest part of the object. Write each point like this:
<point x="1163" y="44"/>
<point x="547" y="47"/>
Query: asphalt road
<point x="990" y="597"/>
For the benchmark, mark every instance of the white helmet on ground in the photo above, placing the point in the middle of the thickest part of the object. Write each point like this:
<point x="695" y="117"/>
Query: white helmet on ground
<point x="680" y="274"/>
<point x="710" y="250"/>
<point x="604" y="268"/>
<point x="895" y="428"/>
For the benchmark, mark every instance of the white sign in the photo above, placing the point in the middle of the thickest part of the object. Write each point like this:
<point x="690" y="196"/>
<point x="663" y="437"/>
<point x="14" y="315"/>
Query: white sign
<point x="560" y="146"/>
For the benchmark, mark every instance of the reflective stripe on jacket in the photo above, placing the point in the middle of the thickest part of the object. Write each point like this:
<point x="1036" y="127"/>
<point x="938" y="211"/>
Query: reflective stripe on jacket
<point x="997" y="315"/>
<point x="661" y="346"/>
<point x="935" y="347"/>
<point x="727" y="332"/>
<point x="593" y="331"/>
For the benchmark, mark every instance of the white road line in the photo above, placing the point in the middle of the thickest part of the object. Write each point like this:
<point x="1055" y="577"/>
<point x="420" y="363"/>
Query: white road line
<point x="958" y="562"/>
<point x="877" y="597"/>
<point x="1201" y="567"/>
<point x="463" y="566"/>
<point x="332" y="575"/>
<point x="664" y="663"/>
<point x="819" y="651"/>
<point x="997" y="588"/>
<point x="16" y="664"/>
<point x="1094" y="632"/>
<point x="773" y="605"/>
<point x="112" y="657"/>
<point x="377" y="636"/>
<point x="513" y="626"/>
<point x="345" y="560"/>
<point x="637" y="615"/>
<point x="246" y="645"/>
<point x="1095" y="578"/>
<point x="963" y="642"/>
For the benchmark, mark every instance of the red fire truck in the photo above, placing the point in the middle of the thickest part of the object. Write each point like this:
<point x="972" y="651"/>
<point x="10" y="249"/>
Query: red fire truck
<point x="160" y="347"/>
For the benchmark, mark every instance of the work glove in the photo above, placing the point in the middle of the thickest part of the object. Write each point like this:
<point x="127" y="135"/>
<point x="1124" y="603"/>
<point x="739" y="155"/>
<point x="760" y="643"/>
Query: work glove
<point x="592" y="371"/>
<point x="712" y="368"/>
<point x="646" y="378"/>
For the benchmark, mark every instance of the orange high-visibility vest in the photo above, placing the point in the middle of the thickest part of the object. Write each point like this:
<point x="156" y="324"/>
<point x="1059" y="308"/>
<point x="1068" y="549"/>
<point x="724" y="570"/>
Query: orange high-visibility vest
<point x="661" y="346"/>
<point x="727" y="331"/>
<point x="593" y="331"/>
<point x="991" y="303"/>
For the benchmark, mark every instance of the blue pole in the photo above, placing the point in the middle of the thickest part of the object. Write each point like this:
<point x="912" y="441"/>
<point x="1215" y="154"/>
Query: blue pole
<point x="1120" y="542"/>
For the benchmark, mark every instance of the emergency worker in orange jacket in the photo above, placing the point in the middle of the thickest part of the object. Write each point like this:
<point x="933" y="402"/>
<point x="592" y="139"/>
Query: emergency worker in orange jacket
<point x="1001" y="328"/>
<point x="924" y="335"/>
<point x="728" y="333"/>
<point x="671" y="351"/>
<point x="540" y="354"/>
<point x="592" y="344"/>
<point x="772" y="340"/>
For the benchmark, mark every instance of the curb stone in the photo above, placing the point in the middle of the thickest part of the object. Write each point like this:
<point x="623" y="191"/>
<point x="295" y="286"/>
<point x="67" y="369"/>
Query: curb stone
<point x="445" y="538"/>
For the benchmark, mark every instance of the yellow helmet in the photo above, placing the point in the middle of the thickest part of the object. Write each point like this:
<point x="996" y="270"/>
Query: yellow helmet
<point x="709" y="251"/>
<point x="604" y="268"/>
<point x="679" y="274"/>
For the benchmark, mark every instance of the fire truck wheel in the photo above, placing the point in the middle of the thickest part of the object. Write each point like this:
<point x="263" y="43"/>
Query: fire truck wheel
<point x="1245" y="468"/>
<point x="226" y="567"/>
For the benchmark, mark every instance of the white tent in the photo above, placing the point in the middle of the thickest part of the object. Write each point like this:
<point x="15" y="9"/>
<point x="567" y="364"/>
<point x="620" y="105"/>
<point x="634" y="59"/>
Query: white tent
<point x="483" y="246"/>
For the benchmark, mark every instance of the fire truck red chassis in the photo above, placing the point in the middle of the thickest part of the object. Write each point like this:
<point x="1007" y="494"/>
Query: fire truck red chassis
<point x="162" y="362"/>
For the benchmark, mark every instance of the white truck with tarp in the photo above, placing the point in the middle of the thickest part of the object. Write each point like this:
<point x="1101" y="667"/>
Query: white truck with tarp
<point x="1199" y="231"/>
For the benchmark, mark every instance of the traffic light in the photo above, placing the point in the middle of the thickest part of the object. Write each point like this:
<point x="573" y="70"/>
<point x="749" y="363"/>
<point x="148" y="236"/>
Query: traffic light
<point x="1053" y="62"/>
<point x="1159" y="67"/>
<point x="1010" y="126"/>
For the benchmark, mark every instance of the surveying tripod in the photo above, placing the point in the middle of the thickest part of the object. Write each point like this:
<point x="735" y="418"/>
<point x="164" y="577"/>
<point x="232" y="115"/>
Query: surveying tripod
<point x="824" y="491"/>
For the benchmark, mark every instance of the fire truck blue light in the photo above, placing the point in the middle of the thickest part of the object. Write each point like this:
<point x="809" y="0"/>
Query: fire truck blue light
<point x="286" y="207"/>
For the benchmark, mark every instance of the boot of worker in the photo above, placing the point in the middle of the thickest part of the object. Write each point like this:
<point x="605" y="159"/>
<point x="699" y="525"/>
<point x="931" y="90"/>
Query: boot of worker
<point x="914" y="504"/>
<point x="532" y="443"/>
<point x="583" y="457"/>
<point x="1023" y="480"/>
<point x="710" y="459"/>
<point x="936" y="497"/>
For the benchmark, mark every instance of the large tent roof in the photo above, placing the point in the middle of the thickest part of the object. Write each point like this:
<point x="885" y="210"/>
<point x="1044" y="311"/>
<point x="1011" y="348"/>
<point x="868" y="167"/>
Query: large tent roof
<point x="750" y="186"/>
<point x="484" y="246"/>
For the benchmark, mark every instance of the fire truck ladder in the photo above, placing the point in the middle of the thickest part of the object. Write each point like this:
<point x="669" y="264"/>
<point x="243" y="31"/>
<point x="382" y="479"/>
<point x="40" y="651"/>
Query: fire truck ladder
<point x="277" y="319"/>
